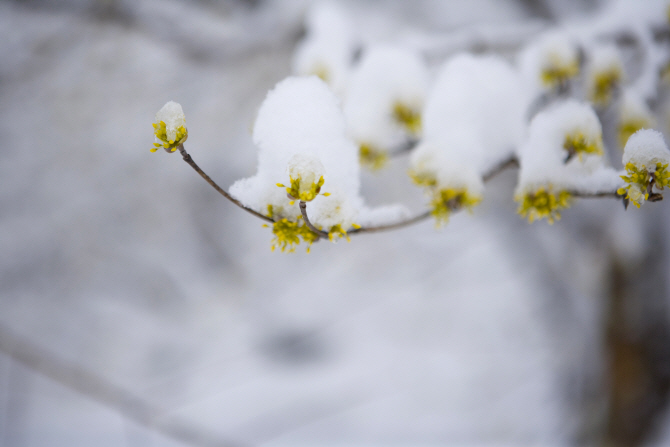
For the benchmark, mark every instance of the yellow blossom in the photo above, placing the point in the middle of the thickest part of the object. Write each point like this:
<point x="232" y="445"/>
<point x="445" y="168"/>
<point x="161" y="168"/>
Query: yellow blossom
<point x="543" y="203"/>
<point x="445" y="201"/>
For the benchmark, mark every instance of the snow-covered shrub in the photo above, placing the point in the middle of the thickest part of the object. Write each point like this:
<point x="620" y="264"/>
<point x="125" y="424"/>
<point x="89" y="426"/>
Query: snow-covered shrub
<point x="462" y="119"/>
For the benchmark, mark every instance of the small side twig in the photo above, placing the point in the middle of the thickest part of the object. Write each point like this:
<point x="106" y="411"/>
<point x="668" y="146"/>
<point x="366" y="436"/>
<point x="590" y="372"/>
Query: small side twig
<point x="303" y="211"/>
<point x="187" y="158"/>
<point x="595" y="195"/>
<point x="412" y="220"/>
<point x="509" y="162"/>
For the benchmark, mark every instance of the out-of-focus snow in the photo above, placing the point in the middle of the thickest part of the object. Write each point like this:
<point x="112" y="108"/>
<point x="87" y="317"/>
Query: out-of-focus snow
<point x="474" y="116"/>
<point x="328" y="49"/>
<point x="386" y="77"/>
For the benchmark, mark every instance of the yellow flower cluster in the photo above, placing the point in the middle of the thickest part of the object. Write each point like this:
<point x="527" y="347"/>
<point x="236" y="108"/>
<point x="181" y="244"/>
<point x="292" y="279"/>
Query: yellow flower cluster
<point x="543" y="203"/>
<point x="288" y="233"/>
<point x="408" y="117"/>
<point x="603" y="85"/>
<point x="558" y="71"/>
<point x="445" y="201"/>
<point x="160" y="131"/>
<point x="640" y="180"/>
<point x="579" y="144"/>
<point x="372" y="158"/>
<point x="299" y="191"/>
<point x="423" y="178"/>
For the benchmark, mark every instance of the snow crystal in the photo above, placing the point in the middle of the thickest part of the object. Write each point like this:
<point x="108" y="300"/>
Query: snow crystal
<point x="646" y="147"/>
<point x="385" y="94"/>
<point x="328" y="47"/>
<point x="300" y="131"/>
<point x="545" y="155"/>
<point x="173" y="117"/>
<point x="474" y="117"/>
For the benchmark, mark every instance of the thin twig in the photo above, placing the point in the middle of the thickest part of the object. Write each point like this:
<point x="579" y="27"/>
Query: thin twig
<point x="97" y="388"/>
<point x="509" y="162"/>
<point x="412" y="220"/>
<point x="303" y="211"/>
<point x="405" y="148"/>
<point x="595" y="195"/>
<point x="187" y="158"/>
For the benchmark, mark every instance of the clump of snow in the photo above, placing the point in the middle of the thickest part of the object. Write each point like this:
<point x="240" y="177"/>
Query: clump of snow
<point x="328" y="47"/>
<point x="173" y="117"/>
<point x="387" y="79"/>
<point x="545" y="158"/>
<point x="550" y="61"/>
<point x="645" y="148"/>
<point x="474" y="118"/>
<point x="300" y="131"/>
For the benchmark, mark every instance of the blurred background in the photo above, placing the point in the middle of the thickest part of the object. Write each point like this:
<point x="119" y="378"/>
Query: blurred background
<point x="139" y="308"/>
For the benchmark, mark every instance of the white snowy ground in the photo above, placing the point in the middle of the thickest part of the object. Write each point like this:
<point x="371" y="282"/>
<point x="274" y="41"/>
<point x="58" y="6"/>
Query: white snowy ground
<point x="126" y="263"/>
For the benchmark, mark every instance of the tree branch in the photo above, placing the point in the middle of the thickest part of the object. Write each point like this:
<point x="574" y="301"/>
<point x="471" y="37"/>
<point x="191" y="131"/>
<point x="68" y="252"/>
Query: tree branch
<point x="102" y="391"/>
<point x="187" y="158"/>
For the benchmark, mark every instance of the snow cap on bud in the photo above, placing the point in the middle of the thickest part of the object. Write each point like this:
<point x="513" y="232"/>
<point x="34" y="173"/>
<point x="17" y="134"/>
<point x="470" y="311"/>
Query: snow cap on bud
<point x="306" y="174"/>
<point x="645" y="158"/>
<point x="170" y="127"/>
<point x="645" y="148"/>
<point x="604" y="74"/>
<point x="551" y="61"/>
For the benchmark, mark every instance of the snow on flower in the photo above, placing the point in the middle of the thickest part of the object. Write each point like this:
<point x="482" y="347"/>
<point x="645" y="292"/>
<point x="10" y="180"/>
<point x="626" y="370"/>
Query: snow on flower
<point x="562" y="153"/>
<point x="646" y="158"/>
<point x="169" y="127"/>
<point x="302" y="142"/>
<point x="551" y="61"/>
<point x="473" y="119"/>
<point x="306" y="174"/>
<point x="383" y="102"/>
<point x="604" y="74"/>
